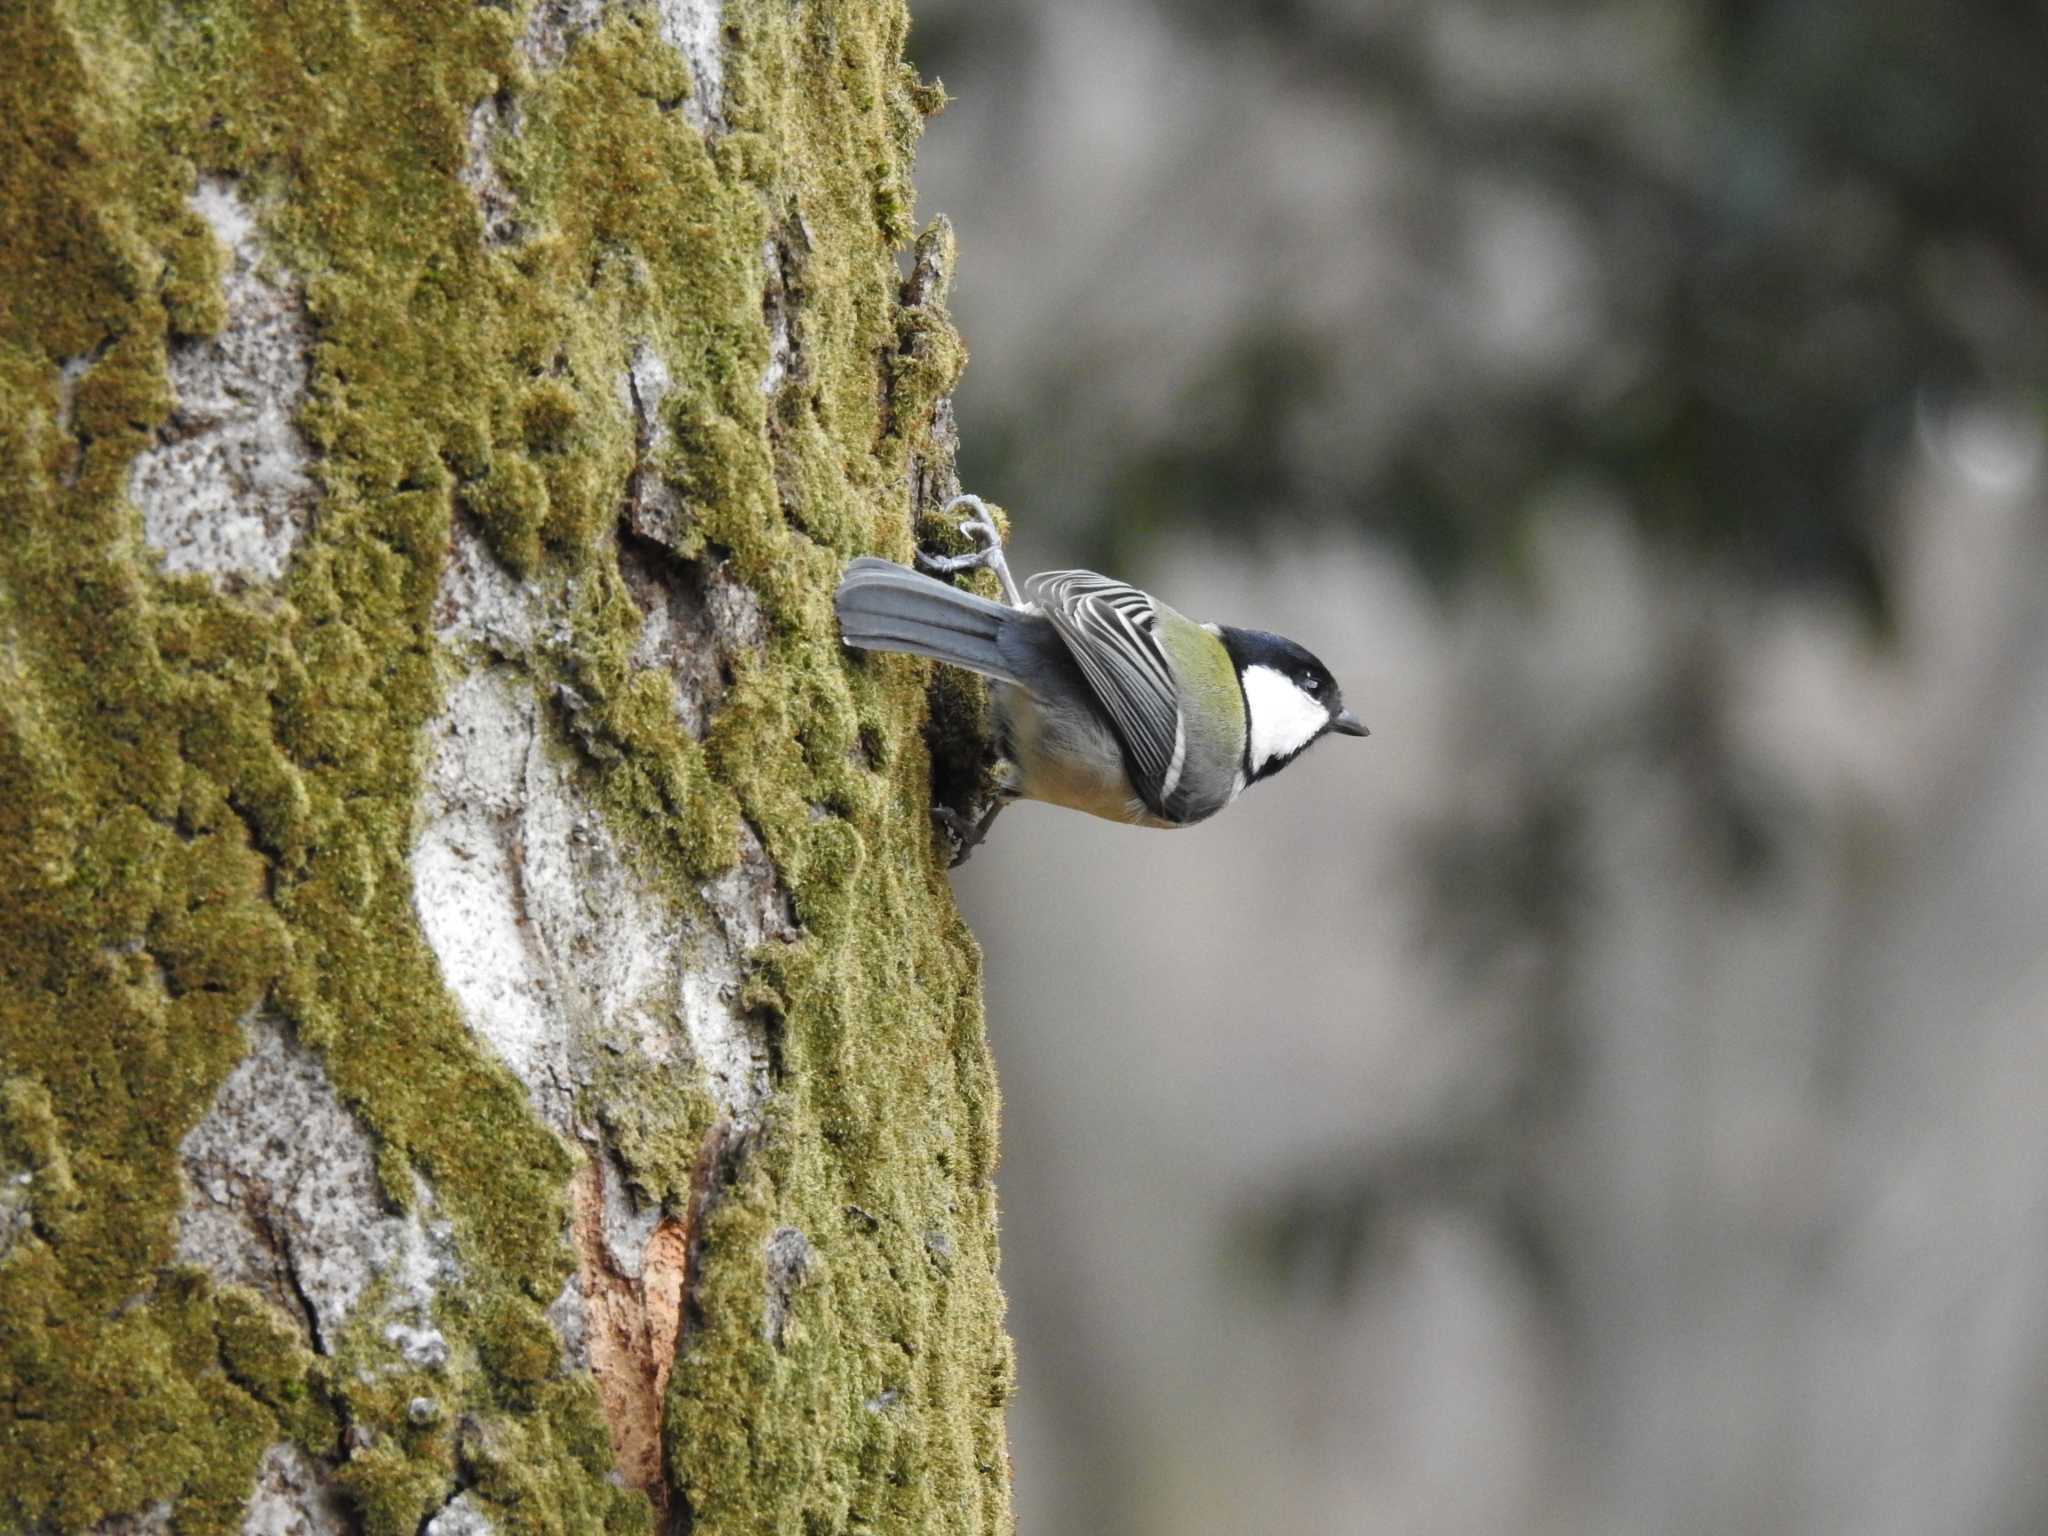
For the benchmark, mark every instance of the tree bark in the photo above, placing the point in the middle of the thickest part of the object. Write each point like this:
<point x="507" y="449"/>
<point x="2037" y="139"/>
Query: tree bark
<point x="486" y="1042"/>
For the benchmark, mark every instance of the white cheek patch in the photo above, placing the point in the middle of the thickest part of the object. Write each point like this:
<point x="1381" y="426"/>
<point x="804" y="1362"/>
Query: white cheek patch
<point x="1284" y="719"/>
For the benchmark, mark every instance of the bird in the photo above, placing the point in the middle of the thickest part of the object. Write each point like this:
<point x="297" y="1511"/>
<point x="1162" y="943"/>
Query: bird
<point x="1105" y="699"/>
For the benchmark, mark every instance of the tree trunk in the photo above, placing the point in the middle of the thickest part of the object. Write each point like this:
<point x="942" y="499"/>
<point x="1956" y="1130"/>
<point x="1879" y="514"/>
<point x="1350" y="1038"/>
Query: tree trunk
<point x="485" y="1038"/>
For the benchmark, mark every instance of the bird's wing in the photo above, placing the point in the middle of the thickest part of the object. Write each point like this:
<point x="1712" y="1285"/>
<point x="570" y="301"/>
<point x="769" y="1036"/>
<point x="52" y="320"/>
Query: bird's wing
<point x="1113" y="632"/>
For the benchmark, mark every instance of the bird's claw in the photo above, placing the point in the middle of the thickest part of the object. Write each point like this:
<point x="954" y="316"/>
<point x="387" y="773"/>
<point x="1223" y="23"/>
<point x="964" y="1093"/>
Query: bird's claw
<point x="982" y="525"/>
<point x="968" y="832"/>
<point x="982" y="528"/>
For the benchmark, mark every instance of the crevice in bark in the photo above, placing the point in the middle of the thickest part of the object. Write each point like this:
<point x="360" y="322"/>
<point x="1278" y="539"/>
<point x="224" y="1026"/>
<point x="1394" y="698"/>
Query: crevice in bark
<point x="265" y="1222"/>
<point x="786" y="256"/>
<point x="633" y="1313"/>
<point x="680" y="632"/>
<point x="282" y="1195"/>
<point x="719" y="1161"/>
<point x="921" y="366"/>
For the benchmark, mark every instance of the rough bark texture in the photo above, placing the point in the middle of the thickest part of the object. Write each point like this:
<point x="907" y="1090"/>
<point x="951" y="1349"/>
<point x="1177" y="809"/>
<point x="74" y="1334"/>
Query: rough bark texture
<point x="485" y="1039"/>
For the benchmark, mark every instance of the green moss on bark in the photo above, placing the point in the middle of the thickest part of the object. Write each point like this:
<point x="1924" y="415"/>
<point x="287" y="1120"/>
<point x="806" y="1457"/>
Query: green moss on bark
<point x="207" y="798"/>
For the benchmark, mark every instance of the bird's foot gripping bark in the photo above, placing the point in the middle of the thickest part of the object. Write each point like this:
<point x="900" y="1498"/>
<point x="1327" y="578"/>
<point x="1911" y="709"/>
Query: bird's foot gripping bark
<point x="968" y="832"/>
<point x="981" y="527"/>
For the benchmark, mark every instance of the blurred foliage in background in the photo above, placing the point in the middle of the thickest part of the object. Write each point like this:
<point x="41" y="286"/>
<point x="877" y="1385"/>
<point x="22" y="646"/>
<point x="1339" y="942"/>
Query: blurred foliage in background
<point x="1706" y="257"/>
<point x="1685" y="965"/>
<point x="1427" y="270"/>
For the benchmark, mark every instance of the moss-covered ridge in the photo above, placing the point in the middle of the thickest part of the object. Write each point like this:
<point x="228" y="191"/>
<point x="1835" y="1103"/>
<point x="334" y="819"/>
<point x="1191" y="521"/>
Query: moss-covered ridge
<point x="207" y="799"/>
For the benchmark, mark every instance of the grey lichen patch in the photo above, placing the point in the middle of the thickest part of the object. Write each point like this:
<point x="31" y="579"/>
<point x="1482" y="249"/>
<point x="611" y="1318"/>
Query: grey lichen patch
<point x="418" y="1343"/>
<point x="788" y="1259"/>
<point x="294" y="1496"/>
<point x="654" y="508"/>
<point x="155" y="1520"/>
<point x="226" y="488"/>
<point x="569" y="1316"/>
<point x="552" y="25"/>
<point x="628" y="1222"/>
<point x="71" y="374"/>
<point x="461" y="1516"/>
<point x="751" y="905"/>
<point x="283" y="1196"/>
<point x="16" y="1209"/>
<point x="691" y="27"/>
<point x="783" y="256"/>
<point x="493" y="119"/>
<point x="497" y="122"/>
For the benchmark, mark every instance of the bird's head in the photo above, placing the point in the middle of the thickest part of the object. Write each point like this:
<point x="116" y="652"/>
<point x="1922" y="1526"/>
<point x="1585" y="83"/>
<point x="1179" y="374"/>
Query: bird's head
<point x="1290" y="699"/>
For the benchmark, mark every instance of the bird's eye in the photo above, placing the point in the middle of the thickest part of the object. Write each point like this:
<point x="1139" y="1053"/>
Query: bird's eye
<point x="1312" y="684"/>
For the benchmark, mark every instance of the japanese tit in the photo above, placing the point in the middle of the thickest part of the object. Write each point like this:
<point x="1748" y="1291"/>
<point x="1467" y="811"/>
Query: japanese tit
<point x="1106" y="700"/>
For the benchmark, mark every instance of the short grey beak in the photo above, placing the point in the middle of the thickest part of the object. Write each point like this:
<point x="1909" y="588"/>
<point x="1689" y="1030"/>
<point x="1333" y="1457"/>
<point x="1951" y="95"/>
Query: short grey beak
<point x="1348" y="724"/>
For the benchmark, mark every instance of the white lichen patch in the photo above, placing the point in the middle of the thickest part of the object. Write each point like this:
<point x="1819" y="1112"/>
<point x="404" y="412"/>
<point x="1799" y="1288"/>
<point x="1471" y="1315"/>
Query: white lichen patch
<point x="557" y="950"/>
<point x="692" y="28"/>
<point x="294" y="1496"/>
<point x="480" y="604"/>
<point x="226" y="489"/>
<point x="461" y="1516"/>
<point x="282" y="1196"/>
<point x="790" y="1262"/>
<point x="645" y="385"/>
<point x="468" y="871"/>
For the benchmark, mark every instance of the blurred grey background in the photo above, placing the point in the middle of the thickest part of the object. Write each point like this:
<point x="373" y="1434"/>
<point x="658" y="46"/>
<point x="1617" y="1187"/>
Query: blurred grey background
<point x="1614" y="1097"/>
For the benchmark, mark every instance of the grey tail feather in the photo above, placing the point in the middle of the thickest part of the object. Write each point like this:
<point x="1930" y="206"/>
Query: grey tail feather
<point x="888" y="607"/>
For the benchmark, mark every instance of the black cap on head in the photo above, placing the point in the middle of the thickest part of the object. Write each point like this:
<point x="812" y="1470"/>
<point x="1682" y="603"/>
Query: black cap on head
<point x="1291" y="698"/>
